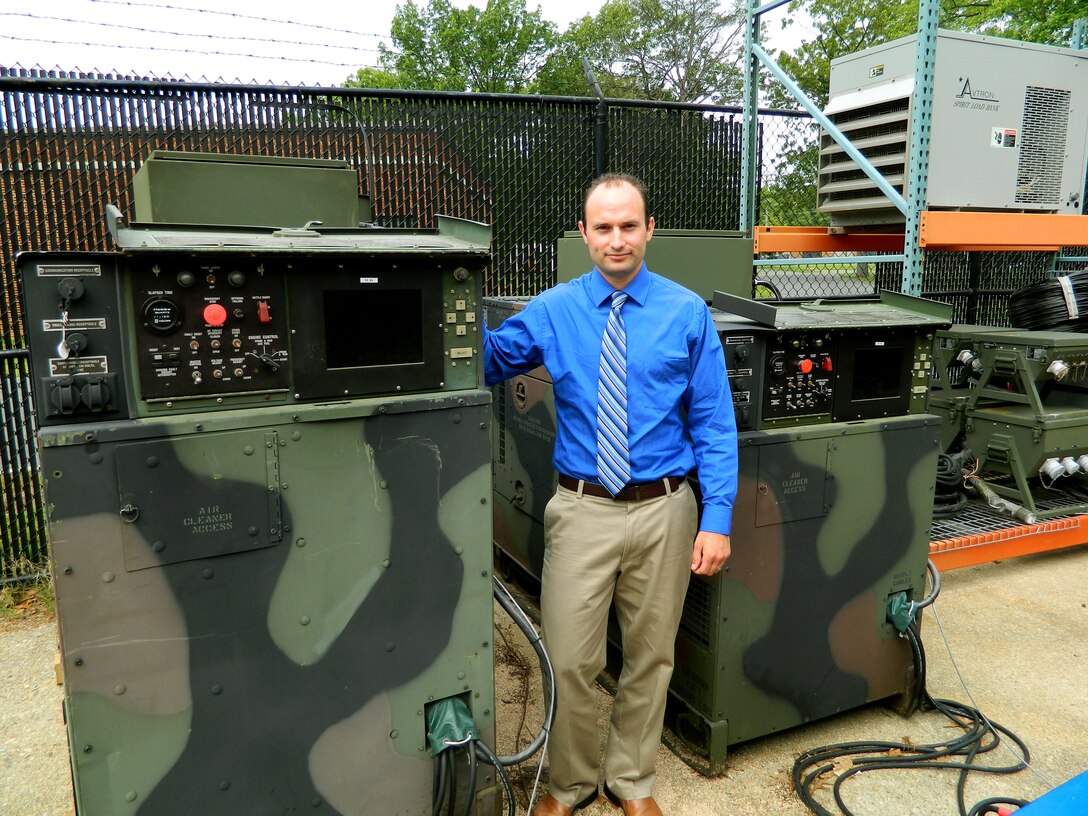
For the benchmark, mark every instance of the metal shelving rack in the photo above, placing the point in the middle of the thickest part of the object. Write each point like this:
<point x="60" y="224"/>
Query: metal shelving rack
<point x="980" y="536"/>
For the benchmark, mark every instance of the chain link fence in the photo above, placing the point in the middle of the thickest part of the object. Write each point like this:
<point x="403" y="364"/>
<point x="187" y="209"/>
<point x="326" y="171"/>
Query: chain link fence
<point x="70" y="143"/>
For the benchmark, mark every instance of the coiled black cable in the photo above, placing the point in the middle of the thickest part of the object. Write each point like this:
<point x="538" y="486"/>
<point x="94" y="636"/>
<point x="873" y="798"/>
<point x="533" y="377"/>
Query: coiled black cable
<point x="1045" y="305"/>
<point x="981" y="735"/>
<point x="948" y="495"/>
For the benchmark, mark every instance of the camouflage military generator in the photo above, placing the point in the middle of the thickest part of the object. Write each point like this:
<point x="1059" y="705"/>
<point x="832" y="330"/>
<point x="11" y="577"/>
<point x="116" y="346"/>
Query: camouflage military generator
<point x="265" y="450"/>
<point x="837" y="462"/>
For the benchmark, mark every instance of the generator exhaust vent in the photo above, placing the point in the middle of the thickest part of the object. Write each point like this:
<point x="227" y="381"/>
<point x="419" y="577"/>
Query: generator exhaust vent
<point x="1042" y="150"/>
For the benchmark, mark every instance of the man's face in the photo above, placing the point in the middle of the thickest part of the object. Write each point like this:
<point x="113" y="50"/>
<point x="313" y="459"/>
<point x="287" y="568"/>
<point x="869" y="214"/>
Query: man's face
<point x="616" y="231"/>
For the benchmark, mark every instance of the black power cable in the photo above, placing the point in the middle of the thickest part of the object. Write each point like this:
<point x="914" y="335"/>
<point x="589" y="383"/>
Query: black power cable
<point x="445" y="783"/>
<point x="1059" y="304"/>
<point x="980" y="736"/>
<point x="948" y="496"/>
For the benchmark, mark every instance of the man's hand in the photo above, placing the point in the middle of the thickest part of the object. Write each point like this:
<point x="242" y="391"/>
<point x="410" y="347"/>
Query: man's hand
<point x="711" y="551"/>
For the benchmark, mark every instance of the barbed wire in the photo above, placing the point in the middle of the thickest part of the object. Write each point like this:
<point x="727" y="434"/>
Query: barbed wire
<point x="236" y="15"/>
<point x="100" y="24"/>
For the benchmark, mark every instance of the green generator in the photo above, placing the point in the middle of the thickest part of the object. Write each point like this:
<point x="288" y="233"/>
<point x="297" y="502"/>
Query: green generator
<point x="837" y="460"/>
<point x="266" y="455"/>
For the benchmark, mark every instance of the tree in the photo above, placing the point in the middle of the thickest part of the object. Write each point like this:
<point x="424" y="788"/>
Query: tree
<point x="442" y="48"/>
<point x="682" y="50"/>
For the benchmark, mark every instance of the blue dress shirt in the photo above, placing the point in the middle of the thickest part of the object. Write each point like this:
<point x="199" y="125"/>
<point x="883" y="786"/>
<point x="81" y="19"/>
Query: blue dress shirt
<point x="679" y="410"/>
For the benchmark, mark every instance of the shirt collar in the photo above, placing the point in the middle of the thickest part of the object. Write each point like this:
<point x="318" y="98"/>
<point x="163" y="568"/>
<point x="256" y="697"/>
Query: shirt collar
<point x="637" y="288"/>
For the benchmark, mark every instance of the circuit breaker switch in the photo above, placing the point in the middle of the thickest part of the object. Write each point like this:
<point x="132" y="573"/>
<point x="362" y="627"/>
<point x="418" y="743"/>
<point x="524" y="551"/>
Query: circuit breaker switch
<point x="263" y="314"/>
<point x="825" y="364"/>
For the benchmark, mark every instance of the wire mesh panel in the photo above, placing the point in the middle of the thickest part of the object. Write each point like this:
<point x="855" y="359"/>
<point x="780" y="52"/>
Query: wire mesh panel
<point x="22" y="518"/>
<point x="977" y="284"/>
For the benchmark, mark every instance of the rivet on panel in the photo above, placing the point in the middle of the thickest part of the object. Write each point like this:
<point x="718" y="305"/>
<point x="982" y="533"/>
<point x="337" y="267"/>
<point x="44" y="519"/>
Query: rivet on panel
<point x="385" y="563"/>
<point x="87" y="749"/>
<point x="460" y="675"/>
<point x="130" y="796"/>
<point x="304" y="620"/>
<point x="224" y="784"/>
<point x="390" y="646"/>
<point x="459" y="550"/>
<point x="152" y="461"/>
<point x="252" y="531"/>
<point x="159" y="546"/>
<point x="67" y="570"/>
<point x="315" y="802"/>
<point x="120" y="689"/>
<point x="394" y="734"/>
<point x="95" y="458"/>
<point x="248" y="450"/>
<point x="301" y="542"/>
<point x="383" y="484"/>
<point x="296" y="436"/>
<point x="217" y="689"/>
<point x="79" y="661"/>
<point x="207" y="573"/>
<point x="108" y="577"/>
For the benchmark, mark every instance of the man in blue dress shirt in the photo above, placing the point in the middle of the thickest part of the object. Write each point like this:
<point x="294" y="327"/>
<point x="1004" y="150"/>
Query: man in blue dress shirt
<point x="637" y="547"/>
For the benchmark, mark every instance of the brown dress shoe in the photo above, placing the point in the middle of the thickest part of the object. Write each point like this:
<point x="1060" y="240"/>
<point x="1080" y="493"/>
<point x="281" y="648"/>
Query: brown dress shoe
<point x="646" y="806"/>
<point x="550" y="806"/>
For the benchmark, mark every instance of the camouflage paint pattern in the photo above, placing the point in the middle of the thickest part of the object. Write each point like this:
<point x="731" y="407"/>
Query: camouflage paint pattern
<point x="217" y="664"/>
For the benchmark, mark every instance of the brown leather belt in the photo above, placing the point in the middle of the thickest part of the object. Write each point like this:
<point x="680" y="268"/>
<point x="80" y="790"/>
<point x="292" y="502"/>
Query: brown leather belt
<point x="635" y="492"/>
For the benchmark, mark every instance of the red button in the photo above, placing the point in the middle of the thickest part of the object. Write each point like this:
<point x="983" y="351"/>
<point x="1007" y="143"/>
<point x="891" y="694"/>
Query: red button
<point x="215" y="315"/>
<point x="805" y="366"/>
<point x="262" y="312"/>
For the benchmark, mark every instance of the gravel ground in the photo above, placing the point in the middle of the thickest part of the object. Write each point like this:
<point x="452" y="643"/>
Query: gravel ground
<point x="34" y="775"/>
<point x="1018" y="631"/>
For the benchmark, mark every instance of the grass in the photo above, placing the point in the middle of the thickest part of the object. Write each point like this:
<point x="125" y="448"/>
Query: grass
<point x="32" y="599"/>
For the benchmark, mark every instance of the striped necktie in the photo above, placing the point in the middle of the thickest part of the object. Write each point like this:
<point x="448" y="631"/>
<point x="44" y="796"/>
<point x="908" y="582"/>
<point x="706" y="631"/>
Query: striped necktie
<point x="613" y="458"/>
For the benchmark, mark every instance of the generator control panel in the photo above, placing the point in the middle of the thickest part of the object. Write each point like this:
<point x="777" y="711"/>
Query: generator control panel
<point x="836" y="361"/>
<point x="215" y="318"/>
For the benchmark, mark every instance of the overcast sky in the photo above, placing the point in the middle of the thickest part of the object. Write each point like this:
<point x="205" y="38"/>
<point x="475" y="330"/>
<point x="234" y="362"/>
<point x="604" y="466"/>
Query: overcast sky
<point x="311" y="42"/>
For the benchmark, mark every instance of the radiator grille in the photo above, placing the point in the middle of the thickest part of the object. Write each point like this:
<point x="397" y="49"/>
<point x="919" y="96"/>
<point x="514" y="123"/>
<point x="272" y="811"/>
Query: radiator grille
<point x="1042" y="147"/>
<point x="696" y="619"/>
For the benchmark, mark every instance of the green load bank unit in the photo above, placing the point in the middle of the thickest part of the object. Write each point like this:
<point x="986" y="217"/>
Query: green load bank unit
<point x="1018" y="399"/>
<point x="837" y="461"/>
<point x="266" y="454"/>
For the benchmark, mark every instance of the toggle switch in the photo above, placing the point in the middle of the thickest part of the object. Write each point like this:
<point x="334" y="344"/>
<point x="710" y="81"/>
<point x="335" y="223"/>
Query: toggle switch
<point x="263" y="314"/>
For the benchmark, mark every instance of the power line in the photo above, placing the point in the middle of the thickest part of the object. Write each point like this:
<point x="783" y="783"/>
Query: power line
<point x="38" y="17"/>
<point x="187" y="51"/>
<point x="238" y="16"/>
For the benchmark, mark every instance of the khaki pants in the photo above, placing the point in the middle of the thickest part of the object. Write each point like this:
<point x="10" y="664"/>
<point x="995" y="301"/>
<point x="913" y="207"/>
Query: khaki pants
<point x="638" y="556"/>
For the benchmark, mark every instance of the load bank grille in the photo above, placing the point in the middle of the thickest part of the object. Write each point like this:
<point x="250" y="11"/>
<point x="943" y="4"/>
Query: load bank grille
<point x="1042" y="149"/>
<point x="881" y="133"/>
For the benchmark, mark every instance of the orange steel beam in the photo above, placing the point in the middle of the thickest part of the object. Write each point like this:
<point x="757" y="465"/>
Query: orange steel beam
<point x="818" y="239"/>
<point x="980" y="548"/>
<point x="961" y="231"/>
